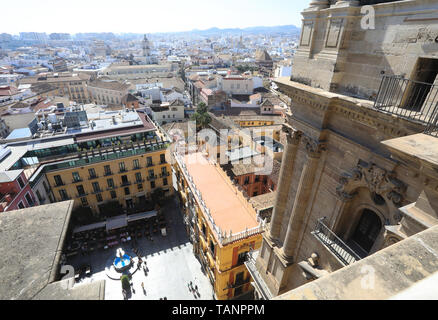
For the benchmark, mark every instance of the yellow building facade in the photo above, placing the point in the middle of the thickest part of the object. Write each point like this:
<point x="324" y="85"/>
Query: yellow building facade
<point x="221" y="257"/>
<point x="126" y="179"/>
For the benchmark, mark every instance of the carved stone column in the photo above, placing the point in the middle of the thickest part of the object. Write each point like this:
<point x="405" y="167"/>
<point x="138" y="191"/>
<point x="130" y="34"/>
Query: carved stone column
<point x="314" y="150"/>
<point x="319" y="4"/>
<point x="286" y="173"/>
<point x="347" y="3"/>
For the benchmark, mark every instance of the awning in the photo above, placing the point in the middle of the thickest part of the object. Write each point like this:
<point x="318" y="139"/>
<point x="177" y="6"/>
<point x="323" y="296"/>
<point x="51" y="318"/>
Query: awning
<point x="116" y="222"/>
<point x="90" y="227"/>
<point x="142" y="215"/>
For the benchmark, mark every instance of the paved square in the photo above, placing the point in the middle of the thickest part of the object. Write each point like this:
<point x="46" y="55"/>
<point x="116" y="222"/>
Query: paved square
<point x="170" y="260"/>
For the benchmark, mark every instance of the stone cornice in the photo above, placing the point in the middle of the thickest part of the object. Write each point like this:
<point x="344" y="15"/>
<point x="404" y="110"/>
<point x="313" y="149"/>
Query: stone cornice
<point x="356" y="110"/>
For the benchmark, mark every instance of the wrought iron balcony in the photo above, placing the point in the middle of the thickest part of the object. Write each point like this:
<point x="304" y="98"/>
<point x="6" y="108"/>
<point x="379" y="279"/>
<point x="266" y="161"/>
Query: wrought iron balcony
<point x="164" y="174"/>
<point x="413" y="100"/>
<point x="151" y="178"/>
<point x="81" y="194"/>
<point x="125" y="183"/>
<point x="93" y="177"/>
<point x="334" y="244"/>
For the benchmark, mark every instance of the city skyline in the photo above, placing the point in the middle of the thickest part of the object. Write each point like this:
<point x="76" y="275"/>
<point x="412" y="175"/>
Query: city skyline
<point x="258" y="13"/>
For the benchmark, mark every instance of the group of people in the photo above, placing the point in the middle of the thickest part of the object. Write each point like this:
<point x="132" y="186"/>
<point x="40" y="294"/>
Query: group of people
<point x="194" y="289"/>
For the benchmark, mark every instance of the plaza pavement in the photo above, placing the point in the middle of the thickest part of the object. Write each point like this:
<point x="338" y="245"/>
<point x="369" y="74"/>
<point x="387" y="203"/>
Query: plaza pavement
<point x="170" y="260"/>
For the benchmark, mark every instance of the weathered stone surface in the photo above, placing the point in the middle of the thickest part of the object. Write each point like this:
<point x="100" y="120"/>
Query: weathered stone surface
<point x="31" y="243"/>
<point x="394" y="268"/>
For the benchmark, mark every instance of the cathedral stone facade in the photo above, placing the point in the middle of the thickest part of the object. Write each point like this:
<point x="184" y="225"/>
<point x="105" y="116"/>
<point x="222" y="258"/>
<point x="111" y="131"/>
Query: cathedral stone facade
<point x="347" y="190"/>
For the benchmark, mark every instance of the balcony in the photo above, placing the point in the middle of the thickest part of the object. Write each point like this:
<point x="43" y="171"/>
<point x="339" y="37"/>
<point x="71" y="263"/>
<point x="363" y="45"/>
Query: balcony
<point x="80" y="195"/>
<point x="125" y="183"/>
<point x="412" y="100"/>
<point x="77" y="180"/>
<point x="151" y="178"/>
<point x="97" y="191"/>
<point x="150" y="165"/>
<point x="59" y="184"/>
<point x="164" y="174"/>
<point x="108" y="173"/>
<point x="123" y="170"/>
<point x="334" y="244"/>
<point x="93" y="177"/>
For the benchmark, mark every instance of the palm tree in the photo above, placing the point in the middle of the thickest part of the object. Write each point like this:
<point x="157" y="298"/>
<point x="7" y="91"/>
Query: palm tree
<point x="201" y="116"/>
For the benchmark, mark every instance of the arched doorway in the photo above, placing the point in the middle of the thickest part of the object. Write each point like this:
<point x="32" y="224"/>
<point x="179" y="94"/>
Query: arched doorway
<point x="367" y="230"/>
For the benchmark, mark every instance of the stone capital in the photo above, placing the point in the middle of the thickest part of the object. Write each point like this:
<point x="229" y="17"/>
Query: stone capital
<point x="346" y="3"/>
<point x="293" y="136"/>
<point x="319" y="4"/>
<point x="314" y="147"/>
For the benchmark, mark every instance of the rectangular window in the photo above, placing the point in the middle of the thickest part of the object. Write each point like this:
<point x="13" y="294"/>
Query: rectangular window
<point x="20" y="182"/>
<point x="151" y="173"/>
<point x="107" y="169"/>
<point x="165" y="181"/>
<point x="162" y="158"/>
<point x="76" y="176"/>
<point x="113" y="194"/>
<point x="63" y="194"/>
<point x="110" y="183"/>
<point x="21" y="205"/>
<point x="99" y="197"/>
<point x="138" y="177"/>
<point x="136" y="164"/>
<point x="58" y="180"/>
<point x="40" y="198"/>
<point x="84" y="202"/>
<point x="29" y="199"/>
<point x="81" y="191"/>
<point x="92" y="173"/>
<point x="152" y="184"/>
<point x="149" y="161"/>
<point x="125" y="180"/>
<point x="140" y="186"/>
<point x="96" y="187"/>
<point x="122" y="167"/>
<point x="127" y="191"/>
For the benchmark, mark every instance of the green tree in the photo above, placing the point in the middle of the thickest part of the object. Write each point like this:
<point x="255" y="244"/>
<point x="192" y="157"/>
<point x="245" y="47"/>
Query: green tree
<point x="201" y="116"/>
<point x="125" y="282"/>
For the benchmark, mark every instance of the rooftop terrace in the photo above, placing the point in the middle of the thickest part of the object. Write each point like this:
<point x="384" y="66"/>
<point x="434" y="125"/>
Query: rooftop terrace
<point x="228" y="211"/>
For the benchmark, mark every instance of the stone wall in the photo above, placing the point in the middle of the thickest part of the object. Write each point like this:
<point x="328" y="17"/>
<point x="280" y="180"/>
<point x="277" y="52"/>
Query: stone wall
<point x="338" y="55"/>
<point x="352" y="166"/>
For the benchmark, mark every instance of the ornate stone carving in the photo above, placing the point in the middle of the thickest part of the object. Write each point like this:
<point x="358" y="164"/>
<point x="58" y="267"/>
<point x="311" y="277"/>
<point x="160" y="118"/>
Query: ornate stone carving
<point x="314" y="147"/>
<point x="293" y="136"/>
<point x="376" y="179"/>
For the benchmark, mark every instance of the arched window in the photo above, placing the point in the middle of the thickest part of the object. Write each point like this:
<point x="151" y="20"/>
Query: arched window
<point x="367" y="230"/>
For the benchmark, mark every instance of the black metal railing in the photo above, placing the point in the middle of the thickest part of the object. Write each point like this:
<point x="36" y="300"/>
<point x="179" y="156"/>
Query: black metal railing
<point x="338" y="247"/>
<point x="413" y="100"/>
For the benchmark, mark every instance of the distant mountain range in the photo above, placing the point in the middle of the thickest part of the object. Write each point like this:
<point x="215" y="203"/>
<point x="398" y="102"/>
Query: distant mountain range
<point x="235" y="31"/>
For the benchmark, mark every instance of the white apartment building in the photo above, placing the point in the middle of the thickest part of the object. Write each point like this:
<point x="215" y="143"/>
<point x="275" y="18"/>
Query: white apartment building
<point x="236" y="85"/>
<point x="168" y="112"/>
<point x="108" y="92"/>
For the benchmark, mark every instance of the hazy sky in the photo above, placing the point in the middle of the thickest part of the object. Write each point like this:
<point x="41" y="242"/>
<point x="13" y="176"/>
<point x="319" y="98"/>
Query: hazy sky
<point x="145" y="16"/>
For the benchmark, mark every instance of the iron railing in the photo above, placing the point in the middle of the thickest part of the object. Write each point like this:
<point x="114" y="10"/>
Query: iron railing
<point x="338" y="247"/>
<point x="413" y="100"/>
